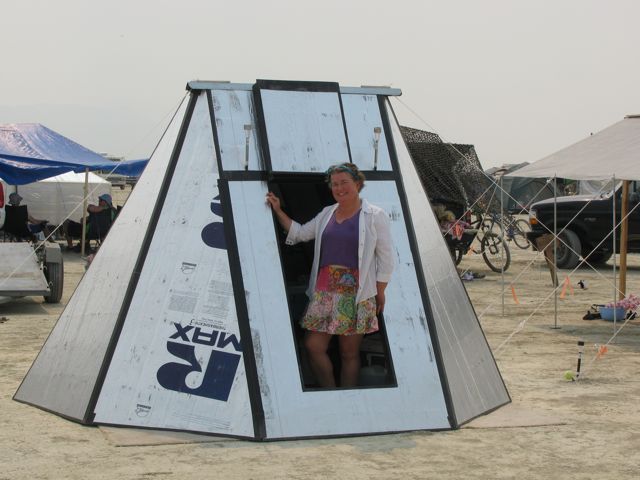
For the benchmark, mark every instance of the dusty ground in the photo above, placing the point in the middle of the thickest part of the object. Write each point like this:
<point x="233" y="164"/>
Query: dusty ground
<point x="601" y="412"/>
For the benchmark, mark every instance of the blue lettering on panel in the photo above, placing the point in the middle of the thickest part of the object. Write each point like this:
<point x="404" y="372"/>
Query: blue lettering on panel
<point x="219" y="372"/>
<point x="213" y="233"/>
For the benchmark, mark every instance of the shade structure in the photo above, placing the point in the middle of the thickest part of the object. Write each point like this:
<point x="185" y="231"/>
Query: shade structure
<point x="188" y="317"/>
<point x="30" y="152"/>
<point x="61" y="197"/>
<point x="612" y="152"/>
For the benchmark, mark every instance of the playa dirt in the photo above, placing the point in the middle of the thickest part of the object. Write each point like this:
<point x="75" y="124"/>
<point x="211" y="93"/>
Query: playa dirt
<point x="553" y="429"/>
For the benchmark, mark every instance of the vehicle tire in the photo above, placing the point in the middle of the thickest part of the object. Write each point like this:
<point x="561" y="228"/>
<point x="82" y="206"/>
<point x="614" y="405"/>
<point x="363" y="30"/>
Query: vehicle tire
<point x="598" y="257"/>
<point x="521" y="227"/>
<point x="54" y="273"/>
<point x="495" y="252"/>
<point x="568" y="249"/>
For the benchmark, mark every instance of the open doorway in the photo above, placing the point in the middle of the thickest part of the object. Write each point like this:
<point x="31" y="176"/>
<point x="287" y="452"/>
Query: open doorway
<point x="302" y="197"/>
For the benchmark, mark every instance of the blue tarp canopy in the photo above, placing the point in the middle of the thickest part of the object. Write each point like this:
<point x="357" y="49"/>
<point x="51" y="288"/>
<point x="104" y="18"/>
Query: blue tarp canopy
<point x="30" y="152"/>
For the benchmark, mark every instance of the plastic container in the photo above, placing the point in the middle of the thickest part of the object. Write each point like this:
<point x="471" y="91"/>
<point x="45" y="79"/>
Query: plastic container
<point x="607" y="313"/>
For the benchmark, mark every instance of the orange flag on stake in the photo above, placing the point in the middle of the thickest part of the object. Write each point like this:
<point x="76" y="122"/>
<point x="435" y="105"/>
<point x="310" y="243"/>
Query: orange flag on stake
<point x="602" y="350"/>
<point x="563" y="293"/>
<point x="515" y="297"/>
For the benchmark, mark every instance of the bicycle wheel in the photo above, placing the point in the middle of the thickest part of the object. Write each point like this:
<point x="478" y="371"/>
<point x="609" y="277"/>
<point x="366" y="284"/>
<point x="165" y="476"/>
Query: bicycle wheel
<point x="521" y="227"/>
<point x="492" y="225"/>
<point x="495" y="252"/>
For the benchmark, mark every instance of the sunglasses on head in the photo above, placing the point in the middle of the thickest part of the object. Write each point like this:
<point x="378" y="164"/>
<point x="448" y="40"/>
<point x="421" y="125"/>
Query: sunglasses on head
<point x="343" y="167"/>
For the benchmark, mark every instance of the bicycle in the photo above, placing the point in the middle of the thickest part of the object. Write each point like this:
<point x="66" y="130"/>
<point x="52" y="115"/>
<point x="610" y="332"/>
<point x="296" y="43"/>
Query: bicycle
<point x="495" y="252"/>
<point x="516" y="228"/>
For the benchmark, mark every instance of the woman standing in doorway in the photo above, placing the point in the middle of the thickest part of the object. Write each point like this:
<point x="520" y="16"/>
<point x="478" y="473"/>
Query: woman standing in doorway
<point x="352" y="265"/>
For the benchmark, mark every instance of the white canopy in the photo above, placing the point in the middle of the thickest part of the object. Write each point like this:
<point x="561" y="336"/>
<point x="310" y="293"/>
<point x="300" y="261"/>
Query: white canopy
<point x="614" y="151"/>
<point x="58" y="198"/>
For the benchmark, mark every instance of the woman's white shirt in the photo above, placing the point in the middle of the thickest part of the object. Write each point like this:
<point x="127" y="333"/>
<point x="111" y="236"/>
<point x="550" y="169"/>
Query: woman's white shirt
<point x="375" y="250"/>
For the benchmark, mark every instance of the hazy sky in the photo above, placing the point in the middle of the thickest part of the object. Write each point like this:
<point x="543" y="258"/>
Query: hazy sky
<point x="518" y="79"/>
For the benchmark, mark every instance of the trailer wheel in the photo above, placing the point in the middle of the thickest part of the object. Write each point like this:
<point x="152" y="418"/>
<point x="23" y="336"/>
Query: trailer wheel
<point x="54" y="273"/>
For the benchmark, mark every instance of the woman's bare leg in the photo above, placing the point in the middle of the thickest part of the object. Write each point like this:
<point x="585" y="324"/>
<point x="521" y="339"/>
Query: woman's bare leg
<point x="350" y="357"/>
<point x="316" y="344"/>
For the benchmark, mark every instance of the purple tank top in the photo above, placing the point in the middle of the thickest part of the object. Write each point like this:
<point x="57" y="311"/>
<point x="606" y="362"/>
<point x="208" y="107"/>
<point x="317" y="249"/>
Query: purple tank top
<point x="340" y="242"/>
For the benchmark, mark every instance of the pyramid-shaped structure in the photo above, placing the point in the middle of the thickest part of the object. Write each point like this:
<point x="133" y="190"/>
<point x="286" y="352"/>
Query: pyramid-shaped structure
<point x="187" y="318"/>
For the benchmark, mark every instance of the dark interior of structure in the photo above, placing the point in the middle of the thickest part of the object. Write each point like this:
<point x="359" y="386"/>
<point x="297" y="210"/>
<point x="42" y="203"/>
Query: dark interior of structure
<point x="302" y="198"/>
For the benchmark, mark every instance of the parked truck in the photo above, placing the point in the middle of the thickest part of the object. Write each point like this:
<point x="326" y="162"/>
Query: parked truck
<point x="585" y="225"/>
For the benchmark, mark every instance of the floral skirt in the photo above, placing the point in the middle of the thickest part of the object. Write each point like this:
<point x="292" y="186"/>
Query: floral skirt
<point x="333" y="307"/>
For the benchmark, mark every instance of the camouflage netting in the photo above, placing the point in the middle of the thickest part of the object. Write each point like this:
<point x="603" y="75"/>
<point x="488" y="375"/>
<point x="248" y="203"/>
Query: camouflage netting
<point x="450" y="173"/>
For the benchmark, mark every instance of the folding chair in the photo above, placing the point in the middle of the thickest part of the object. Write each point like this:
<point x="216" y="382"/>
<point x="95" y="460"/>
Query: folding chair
<point x="15" y="223"/>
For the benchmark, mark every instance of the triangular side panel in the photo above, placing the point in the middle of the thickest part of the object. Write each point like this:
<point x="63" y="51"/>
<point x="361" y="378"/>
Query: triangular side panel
<point x="63" y="376"/>
<point x="178" y="363"/>
<point x="475" y="384"/>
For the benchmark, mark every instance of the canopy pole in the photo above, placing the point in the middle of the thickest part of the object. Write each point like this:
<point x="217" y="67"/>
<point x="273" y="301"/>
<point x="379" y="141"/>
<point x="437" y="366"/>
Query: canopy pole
<point x="502" y="240"/>
<point x="84" y="210"/>
<point x="613" y="215"/>
<point x="555" y="250"/>
<point x="624" y="235"/>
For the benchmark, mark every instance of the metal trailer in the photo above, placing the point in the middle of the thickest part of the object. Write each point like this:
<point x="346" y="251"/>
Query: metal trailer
<point x="28" y="270"/>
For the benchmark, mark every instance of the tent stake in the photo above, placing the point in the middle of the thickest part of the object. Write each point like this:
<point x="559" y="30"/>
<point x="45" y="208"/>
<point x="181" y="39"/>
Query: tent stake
<point x="580" y="353"/>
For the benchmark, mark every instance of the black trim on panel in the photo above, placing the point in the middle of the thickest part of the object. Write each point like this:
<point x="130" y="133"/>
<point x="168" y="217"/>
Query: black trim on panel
<point x="193" y="432"/>
<point x="261" y="127"/>
<point x="242" y="312"/>
<point x="380" y="174"/>
<point x="303" y="177"/>
<point x="294" y="177"/>
<point x="413" y="242"/>
<point x="144" y="249"/>
<point x="344" y="126"/>
<point x="214" y="130"/>
<point x="297" y="86"/>
<point x="244" y="175"/>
